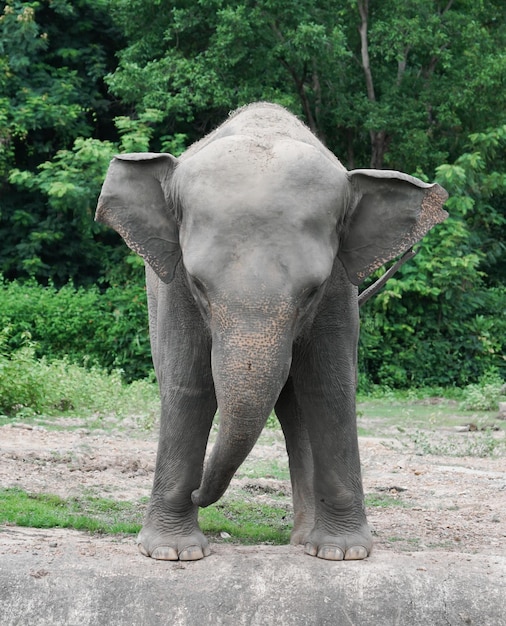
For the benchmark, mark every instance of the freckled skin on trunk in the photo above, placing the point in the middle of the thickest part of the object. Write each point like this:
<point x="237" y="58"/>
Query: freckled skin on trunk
<point x="250" y="363"/>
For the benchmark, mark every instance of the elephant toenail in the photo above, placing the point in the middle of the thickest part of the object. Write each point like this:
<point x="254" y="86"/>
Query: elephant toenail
<point x="356" y="553"/>
<point x="142" y="549"/>
<point x="191" y="553"/>
<point x="331" y="553"/>
<point x="164" y="553"/>
<point x="310" y="549"/>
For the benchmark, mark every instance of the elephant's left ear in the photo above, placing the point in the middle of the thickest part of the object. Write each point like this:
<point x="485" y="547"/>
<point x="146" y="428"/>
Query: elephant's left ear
<point x="135" y="202"/>
<point x="388" y="213"/>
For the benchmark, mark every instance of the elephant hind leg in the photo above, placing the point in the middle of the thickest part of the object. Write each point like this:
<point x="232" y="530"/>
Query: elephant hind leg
<point x="300" y="460"/>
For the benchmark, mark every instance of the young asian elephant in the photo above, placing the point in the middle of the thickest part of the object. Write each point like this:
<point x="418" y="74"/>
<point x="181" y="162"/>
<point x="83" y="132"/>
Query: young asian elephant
<point x="255" y="240"/>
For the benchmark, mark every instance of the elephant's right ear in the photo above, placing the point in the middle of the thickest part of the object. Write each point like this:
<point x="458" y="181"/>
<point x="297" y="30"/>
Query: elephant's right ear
<point x="133" y="202"/>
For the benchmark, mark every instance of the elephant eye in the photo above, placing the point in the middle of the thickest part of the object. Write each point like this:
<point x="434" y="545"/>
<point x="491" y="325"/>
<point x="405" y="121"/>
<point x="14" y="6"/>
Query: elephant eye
<point x="308" y="297"/>
<point x="200" y="295"/>
<point x="198" y="285"/>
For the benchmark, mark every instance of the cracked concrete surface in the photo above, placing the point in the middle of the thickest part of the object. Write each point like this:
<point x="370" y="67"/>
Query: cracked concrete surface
<point x="73" y="579"/>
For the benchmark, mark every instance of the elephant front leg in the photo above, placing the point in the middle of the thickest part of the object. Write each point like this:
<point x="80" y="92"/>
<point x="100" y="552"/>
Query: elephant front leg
<point x="340" y="531"/>
<point x="171" y="530"/>
<point x="326" y="392"/>
<point x="300" y="459"/>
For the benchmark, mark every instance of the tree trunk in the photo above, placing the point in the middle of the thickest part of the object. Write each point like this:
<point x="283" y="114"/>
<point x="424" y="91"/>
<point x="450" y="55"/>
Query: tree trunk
<point x="379" y="145"/>
<point x="379" y="138"/>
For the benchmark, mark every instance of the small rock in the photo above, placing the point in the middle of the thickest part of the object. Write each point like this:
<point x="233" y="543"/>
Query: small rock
<point x="466" y="428"/>
<point x="39" y="573"/>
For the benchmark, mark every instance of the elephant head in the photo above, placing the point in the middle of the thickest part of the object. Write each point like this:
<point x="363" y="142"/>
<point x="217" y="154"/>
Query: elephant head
<point x="255" y="231"/>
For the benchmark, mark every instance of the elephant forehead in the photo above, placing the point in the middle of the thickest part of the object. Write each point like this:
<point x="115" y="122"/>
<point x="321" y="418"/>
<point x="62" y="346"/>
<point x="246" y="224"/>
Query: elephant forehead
<point x="274" y="212"/>
<point x="240" y="174"/>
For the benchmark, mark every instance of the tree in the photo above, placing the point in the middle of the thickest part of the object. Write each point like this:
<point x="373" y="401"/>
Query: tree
<point x="396" y="84"/>
<point x="435" y="75"/>
<point x="441" y="320"/>
<point x="415" y="85"/>
<point x="53" y="55"/>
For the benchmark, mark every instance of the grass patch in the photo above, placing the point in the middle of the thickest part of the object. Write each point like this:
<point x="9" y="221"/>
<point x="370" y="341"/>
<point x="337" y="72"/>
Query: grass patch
<point x="483" y="443"/>
<point x="245" y="522"/>
<point x="426" y="411"/>
<point x="49" y="511"/>
<point x="405" y="544"/>
<point x="383" y="501"/>
<point x="403" y="413"/>
<point x="272" y="468"/>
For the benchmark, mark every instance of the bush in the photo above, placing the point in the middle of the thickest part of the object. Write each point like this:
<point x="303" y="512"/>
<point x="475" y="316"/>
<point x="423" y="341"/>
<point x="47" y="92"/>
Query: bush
<point x="21" y="384"/>
<point x="107" y="330"/>
<point x="29" y="386"/>
<point x="409" y="340"/>
<point x="485" y="395"/>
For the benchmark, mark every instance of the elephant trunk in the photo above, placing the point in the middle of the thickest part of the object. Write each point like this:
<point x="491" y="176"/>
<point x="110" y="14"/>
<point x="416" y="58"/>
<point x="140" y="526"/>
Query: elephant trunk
<point x="249" y="368"/>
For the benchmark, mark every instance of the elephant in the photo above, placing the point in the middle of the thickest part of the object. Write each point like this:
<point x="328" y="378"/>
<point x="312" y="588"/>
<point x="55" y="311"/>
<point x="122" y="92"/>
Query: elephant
<point x="255" y="241"/>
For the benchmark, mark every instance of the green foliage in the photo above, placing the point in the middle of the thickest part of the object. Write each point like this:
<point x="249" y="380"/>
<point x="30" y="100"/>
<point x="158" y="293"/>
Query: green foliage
<point x="484" y="395"/>
<point x="106" y="330"/>
<point x="36" y="96"/>
<point x="30" y="386"/>
<point x="441" y="320"/>
<point x="430" y="102"/>
<point x="436" y="69"/>
<point x="64" y="242"/>
<point x="22" y="382"/>
<point x="53" y="56"/>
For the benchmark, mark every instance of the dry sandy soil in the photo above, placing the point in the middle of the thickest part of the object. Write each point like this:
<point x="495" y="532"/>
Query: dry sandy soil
<point x="448" y="503"/>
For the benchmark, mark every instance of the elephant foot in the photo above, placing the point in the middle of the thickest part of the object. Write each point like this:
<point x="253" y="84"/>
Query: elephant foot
<point x="342" y="547"/>
<point x="165" y="546"/>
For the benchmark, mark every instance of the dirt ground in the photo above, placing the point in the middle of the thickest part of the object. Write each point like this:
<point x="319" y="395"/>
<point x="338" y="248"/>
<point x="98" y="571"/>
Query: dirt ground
<point x="417" y="502"/>
<point x="439" y="524"/>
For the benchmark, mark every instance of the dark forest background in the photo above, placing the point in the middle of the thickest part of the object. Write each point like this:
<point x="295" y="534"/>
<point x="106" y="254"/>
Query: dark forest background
<point x="414" y="85"/>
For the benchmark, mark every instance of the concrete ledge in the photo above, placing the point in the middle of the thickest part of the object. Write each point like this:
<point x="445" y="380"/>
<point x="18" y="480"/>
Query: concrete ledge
<point x="70" y="578"/>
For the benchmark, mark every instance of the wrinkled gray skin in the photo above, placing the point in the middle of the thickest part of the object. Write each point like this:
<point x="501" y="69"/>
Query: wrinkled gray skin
<point x="254" y="242"/>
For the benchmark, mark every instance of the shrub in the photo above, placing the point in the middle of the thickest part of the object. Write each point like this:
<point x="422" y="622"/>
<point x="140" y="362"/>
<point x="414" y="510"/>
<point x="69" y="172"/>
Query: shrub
<point x="106" y="330"/>
<point x="21" y="384"/>
<point x="485" y="395"/>
<point x="29" y="386"/>
<point x="408" y="340"/>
